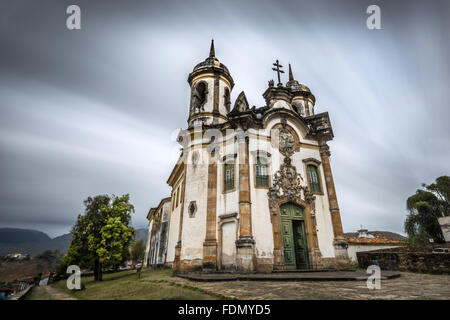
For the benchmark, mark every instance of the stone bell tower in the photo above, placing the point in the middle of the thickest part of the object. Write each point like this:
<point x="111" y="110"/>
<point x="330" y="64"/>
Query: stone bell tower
<point x="211" y="85"/>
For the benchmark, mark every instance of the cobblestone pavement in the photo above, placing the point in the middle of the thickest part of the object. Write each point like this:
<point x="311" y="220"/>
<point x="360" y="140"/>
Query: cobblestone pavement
<point x="407" y="286"/>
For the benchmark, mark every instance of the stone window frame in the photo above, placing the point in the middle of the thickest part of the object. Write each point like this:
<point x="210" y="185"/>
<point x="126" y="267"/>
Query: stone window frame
<point x="226" y="160"/>
<point x="192" y="214"/>
<point x="177" y="194"/>
<point x="181" y="192"/>
<point x="262" y="154"/>
<point x="316" y="163"/>
<point x="174" y="198"/>
<point x="177" y="199"/>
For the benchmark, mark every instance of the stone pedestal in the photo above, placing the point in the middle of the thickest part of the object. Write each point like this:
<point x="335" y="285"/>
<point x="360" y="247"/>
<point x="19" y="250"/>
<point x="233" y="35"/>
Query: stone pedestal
<point x="316" y="259"/>
<point x="209" y="262"/>
<point x="245" y="254"/>
<point x="342" y="260"/>
<point x="176" y="261"/>
<point x="278" y="260"/>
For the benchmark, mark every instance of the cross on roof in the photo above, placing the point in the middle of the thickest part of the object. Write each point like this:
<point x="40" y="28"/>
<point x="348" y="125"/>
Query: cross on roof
<point x="278" y="70"/>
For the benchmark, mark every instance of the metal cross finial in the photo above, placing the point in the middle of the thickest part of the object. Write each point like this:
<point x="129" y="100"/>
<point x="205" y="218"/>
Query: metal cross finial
<point x="278" y="70"/>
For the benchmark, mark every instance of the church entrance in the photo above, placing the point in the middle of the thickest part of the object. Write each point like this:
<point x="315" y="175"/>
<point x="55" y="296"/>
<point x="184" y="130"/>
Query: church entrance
<point x="295" y="247"/>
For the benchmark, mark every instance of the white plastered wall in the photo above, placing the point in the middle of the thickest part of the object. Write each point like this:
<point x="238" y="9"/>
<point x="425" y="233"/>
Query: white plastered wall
<point x="147" y="247"/>
<point x="261" y="221"/>
<point x="174" y="226"/>
<point x="194" y="228"/>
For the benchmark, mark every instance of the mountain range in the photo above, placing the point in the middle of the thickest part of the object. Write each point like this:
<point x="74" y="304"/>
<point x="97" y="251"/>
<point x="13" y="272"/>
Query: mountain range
<point x="27" y="241"/>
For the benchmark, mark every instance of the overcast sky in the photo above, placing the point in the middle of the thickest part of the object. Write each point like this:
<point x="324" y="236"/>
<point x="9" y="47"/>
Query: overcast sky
<point x="93" y="111"/>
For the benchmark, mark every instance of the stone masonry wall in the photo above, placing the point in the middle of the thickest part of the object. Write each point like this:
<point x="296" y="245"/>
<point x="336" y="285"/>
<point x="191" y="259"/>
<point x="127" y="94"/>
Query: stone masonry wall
<point x="417" y="259"/>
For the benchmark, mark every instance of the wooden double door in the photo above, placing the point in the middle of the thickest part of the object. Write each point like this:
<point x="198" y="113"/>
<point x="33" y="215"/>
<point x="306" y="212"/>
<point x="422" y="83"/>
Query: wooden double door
<point x="295" y="245"/>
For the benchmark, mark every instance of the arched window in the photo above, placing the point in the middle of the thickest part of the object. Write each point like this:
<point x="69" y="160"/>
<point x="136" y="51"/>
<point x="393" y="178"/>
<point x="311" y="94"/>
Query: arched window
<point x="227" y="100"/>
<point x="261" y="172"/>
<point x="228" y="176"/>
<point x="174" y="199"/>
<point x="199" y="96"/>
<point x="181" y="194"/>
<point x="178" y="197"/>
<point x="313" y="178"/>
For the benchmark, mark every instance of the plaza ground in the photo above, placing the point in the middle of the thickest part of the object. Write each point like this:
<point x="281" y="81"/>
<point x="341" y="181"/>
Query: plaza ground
<point x="161" y="284"/>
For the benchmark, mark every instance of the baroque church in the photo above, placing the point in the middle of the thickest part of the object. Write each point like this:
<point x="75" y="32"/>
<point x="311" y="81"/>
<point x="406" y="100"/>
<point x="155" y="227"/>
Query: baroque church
<point x="253" y="188"/>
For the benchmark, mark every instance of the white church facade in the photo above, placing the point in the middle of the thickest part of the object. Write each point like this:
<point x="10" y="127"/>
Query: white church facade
<point x="253" y="188"/>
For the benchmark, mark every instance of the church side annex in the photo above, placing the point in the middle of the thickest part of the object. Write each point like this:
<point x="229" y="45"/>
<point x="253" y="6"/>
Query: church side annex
<point x="253" y="188"/>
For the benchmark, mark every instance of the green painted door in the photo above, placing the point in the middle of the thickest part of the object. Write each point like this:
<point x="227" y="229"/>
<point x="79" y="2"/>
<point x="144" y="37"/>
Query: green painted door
<point x="288" y="245"/>
<point x="300" y="247"/>
<point x="295" y="248"/>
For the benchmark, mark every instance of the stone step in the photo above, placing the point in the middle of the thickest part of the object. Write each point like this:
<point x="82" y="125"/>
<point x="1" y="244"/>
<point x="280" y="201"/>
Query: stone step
<point x="289" y="276"/>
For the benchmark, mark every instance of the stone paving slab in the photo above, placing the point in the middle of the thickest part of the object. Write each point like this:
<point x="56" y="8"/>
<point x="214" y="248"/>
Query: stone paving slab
<point x="409" y="286"/>
<point x="309" y="270"/>
<point x="289" y="276"/>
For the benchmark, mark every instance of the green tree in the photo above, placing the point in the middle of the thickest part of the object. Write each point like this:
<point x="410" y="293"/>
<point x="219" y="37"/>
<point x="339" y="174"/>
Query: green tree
<point x="102" y="236"/>
<point x="138" y="251"/>
<point x="425" y="207"/>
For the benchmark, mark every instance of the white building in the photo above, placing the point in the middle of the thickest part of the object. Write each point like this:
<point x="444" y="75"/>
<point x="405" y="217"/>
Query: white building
<point x="158" y="234"/>
<point x="368" y="241"/>
<point x="253" y="188"/>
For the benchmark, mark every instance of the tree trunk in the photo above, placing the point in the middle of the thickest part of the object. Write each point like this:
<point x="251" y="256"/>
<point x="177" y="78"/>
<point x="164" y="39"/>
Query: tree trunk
<point x="100" y="272"/>
<point x="96" y="269"/>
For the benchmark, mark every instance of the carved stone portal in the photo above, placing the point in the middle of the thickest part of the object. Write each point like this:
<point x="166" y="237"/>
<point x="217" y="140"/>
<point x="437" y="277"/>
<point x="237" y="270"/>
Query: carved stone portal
<point x="289" y="186"/>
<point x="287" y="183"/>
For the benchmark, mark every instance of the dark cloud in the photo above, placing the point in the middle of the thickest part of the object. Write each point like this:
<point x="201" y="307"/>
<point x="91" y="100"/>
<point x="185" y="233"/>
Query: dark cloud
<point x="92" y="111"/>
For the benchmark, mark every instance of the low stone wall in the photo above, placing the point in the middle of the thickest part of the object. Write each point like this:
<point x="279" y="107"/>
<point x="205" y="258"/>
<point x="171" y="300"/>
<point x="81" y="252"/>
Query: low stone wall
<point x="21" y="295"/>
<point x="353" y="248"/>
<point x="416" y="259"/>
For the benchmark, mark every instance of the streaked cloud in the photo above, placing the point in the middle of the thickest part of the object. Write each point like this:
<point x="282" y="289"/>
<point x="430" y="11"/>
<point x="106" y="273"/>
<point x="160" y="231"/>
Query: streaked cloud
<point x="93" y="111"/>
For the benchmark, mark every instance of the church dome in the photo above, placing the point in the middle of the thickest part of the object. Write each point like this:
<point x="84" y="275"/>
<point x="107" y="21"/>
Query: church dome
<point x="211" y="62"/>
<point x="299" y="87"/>
<point x="294" y="85"/>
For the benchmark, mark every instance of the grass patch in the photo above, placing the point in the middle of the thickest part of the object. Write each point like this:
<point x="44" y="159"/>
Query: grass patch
<point x="125" y="285"/>
<point x="38" y="293"/>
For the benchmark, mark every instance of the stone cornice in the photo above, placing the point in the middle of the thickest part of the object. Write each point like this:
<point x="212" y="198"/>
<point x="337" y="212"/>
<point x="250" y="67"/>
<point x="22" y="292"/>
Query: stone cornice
<point x="176" y="173"/>
<point x="320" y="127"/>
<point x="214" y="70"/>
<point x="258" y="153"/>
<point x="318" y="162"/>
<point x="277" y="93"/>
<point x="228" y="215"/>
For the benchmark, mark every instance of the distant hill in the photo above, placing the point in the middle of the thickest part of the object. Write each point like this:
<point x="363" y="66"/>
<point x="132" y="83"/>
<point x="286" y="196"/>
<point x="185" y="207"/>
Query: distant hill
<point x="14" y="240"/>
<point x="13" y="235"/>
<point x="384" y="234"/>
<point x="28" y="241"/>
